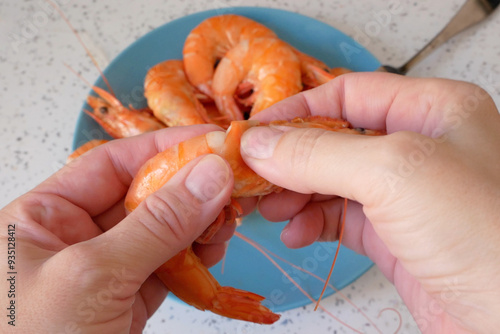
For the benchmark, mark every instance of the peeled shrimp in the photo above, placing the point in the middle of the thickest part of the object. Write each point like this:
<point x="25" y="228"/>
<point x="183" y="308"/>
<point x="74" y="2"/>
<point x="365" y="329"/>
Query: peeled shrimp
<point x="211" y="40"/>
<point x="269" y="65"/>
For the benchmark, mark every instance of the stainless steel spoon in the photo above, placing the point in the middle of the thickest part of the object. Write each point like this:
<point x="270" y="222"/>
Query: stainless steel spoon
<point x="472" y="12"/>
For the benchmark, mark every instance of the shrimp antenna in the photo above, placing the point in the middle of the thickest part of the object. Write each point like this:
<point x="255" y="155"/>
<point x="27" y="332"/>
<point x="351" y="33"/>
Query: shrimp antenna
<point x="330" y="286"/>
<point x="341" y="234"/>
<point x="261" y="250"/>
<point x="97" y="90"/>
<point x="397" y="313"/>
<point x="77" y="74"/>
<point x="56" y="7"/>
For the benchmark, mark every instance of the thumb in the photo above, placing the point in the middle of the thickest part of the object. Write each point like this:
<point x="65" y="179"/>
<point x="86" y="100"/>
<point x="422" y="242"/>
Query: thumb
<point x="169" y="220"/>
<point x="315" y="160"/>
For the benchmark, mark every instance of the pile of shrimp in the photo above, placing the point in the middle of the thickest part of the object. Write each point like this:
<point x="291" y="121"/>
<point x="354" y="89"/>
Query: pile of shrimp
<point x="232" y="68"/>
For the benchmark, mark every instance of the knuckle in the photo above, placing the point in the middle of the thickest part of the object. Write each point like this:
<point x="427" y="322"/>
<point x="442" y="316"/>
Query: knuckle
<point x="90" y="270"/>
<point x="397" y="144"/>
<point x="167" y="212"/>
<point x="404" y="155"/>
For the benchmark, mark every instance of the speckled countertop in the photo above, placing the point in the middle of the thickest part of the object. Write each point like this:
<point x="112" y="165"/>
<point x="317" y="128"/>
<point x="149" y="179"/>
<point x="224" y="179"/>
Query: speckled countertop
<point x="40" y="101"/>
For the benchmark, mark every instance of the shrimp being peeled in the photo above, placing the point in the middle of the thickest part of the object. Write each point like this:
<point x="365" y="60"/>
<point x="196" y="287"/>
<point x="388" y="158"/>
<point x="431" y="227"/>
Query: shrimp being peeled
<point x="268" y="65"/>
<point x="211" y="40"/>
<point x="184" y="274"/>
<point x="171" y="97"/>
<point x="118" y="121"/>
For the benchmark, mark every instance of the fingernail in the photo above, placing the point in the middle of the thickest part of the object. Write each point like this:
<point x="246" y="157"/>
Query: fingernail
<point x="208" y="178"/>
<point x="284" y="233"/>
<point x="260" y="142"/>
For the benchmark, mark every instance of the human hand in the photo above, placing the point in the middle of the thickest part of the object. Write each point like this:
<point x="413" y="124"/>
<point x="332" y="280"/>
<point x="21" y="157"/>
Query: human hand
<point x="82" y="266"/>
<point x="424" y="200"/>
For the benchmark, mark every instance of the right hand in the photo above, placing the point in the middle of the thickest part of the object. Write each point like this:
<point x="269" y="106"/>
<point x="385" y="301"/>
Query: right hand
<point x="424" y="200"/>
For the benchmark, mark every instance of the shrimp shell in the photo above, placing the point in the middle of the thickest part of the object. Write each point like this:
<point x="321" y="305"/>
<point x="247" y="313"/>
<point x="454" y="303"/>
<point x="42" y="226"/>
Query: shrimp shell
<point x="118" y="121"/>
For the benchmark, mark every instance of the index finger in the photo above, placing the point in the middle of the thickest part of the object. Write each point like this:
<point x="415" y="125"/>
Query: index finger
<point x="100" y="178"/>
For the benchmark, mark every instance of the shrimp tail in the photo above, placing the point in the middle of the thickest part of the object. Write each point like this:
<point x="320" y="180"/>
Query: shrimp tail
<point x="187" y="278"/>
<point x="242" y="305"/>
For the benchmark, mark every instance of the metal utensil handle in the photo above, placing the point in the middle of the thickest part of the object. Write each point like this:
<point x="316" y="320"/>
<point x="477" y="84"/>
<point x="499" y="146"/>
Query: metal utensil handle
<point x="472" y="12"/>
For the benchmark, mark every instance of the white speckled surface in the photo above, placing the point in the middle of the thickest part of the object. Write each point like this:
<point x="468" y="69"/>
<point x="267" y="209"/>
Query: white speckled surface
<point x="41" y="100"/>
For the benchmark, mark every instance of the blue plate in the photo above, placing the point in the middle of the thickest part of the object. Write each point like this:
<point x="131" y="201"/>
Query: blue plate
<point x="246" y="268"/>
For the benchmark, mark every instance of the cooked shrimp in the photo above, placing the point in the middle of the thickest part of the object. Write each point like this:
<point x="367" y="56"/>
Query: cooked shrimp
<point x="326" y="123"/>
<point x="184" y="274"/>
<point x="211" y="40"/>
<point x="118" y="121"/>
<point x="269" y="65"/>
<point x="215" y="115"/>
<point x="171" y="97"/>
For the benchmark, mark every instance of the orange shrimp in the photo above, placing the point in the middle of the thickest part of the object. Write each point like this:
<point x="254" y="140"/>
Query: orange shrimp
<point x="85" y="148"/>
<point x="159" y="169"/>
<point x="269" y="65"/>
<point x="326" y="123"/>
<point x="315" y="72"/>
<point x="211" y="40"/>
<point x="118" y="121"/>
<point x="184" y="274"/>
<point x="171" y="97"/>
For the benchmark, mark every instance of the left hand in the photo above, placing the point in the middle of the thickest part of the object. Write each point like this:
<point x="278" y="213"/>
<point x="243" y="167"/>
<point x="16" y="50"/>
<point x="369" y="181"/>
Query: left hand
<point x="82" y="266"/>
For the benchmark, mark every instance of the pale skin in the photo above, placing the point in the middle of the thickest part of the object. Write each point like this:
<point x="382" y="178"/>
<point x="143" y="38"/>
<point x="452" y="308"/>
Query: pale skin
<point x="82" y="266"/>
<point x="424" y="200"/>
<point x="429" y="220"/>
